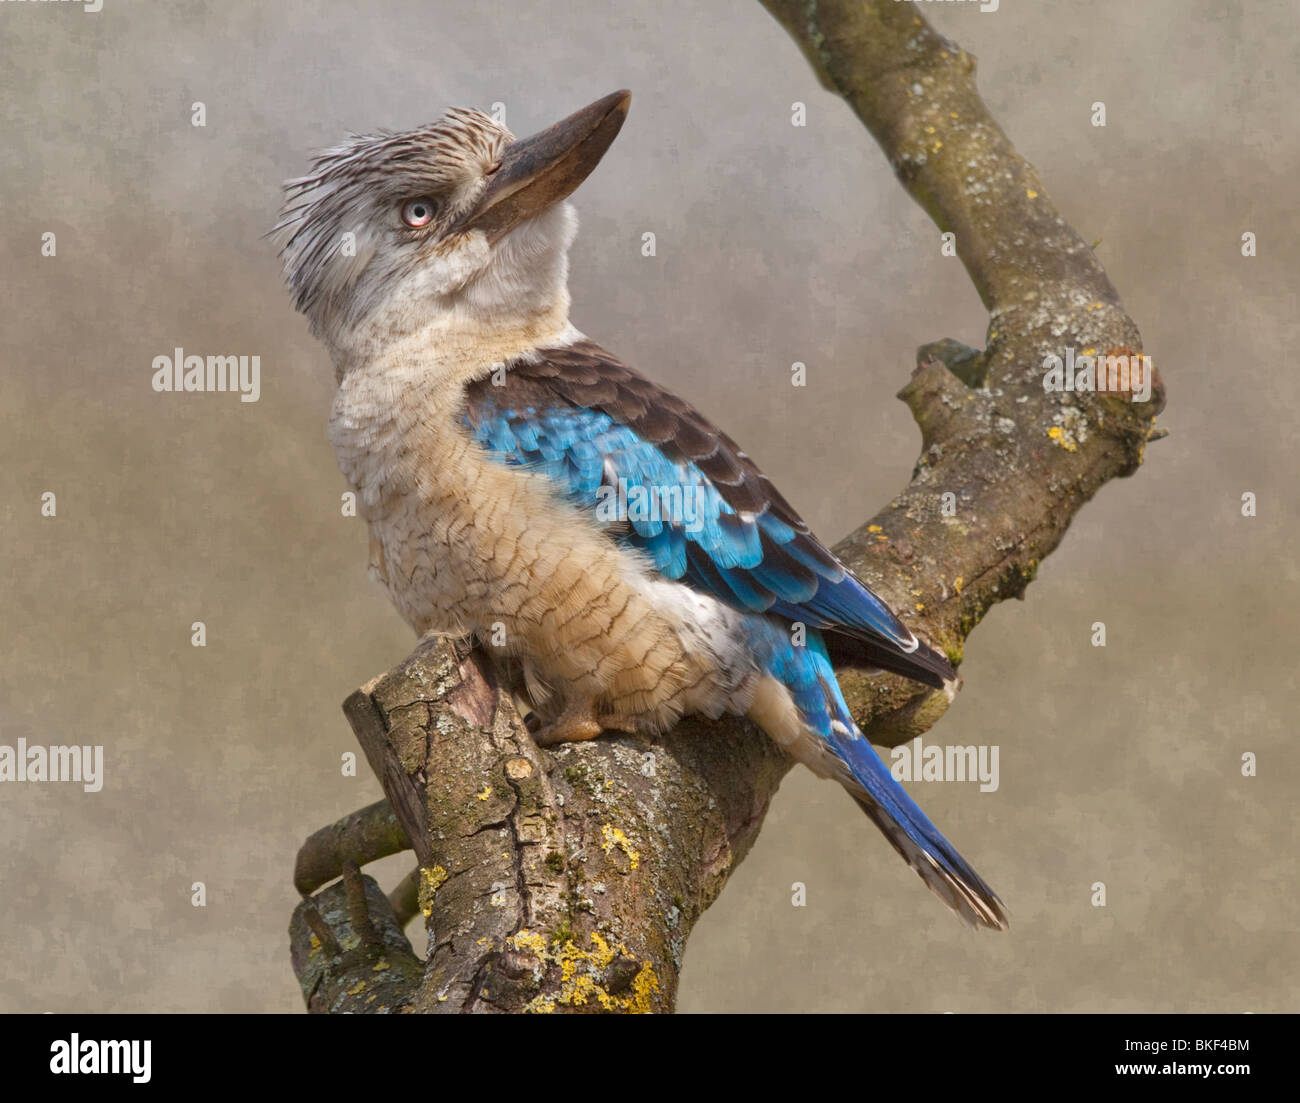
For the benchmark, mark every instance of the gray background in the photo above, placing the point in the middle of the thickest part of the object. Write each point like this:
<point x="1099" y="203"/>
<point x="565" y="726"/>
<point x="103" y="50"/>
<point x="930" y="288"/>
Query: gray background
<point x="775" y="244"/>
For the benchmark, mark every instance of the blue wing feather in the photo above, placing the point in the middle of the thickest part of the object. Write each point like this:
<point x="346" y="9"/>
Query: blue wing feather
<point x="691" y="500"/>
<point x="676" y="515"/>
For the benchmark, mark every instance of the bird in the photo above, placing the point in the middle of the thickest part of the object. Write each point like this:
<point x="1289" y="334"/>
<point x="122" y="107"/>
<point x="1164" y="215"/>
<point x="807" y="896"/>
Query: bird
<point x="526" y="489"/>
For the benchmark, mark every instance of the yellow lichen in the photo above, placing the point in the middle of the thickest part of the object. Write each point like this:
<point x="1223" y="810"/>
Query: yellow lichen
<point x="579" y="973"/>
<point x="614" y="837"/>
<point x="530" y="941"/>
<point x="430" y="881"/>
<point x="1062" y="438"/>
<point x="487" y="792"/>
<point x="644" y="985"/>
<point x="957" y="584"/>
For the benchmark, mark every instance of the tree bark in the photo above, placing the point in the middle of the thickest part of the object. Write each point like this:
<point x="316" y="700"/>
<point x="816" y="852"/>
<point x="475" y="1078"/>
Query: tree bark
<point x="569" y="879"/>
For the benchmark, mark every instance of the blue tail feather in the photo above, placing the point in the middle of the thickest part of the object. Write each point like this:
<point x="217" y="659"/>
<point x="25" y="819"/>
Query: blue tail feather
<point x="912" y="834"/>
<point x="808" y="675"/>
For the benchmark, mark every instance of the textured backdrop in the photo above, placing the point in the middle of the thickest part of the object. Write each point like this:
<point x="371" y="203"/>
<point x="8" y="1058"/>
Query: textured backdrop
<point x="775" y="244"/>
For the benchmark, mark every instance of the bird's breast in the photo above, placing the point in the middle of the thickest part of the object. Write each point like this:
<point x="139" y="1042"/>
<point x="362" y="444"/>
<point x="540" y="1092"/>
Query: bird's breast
<point x="468" y="544"/>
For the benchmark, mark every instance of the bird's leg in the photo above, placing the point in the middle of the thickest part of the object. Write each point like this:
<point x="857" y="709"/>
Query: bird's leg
<point x="527" y="713"/>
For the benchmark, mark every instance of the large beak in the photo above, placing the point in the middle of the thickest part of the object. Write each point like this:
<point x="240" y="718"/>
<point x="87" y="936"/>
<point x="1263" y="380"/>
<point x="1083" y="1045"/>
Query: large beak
<point x="537" y="172"/>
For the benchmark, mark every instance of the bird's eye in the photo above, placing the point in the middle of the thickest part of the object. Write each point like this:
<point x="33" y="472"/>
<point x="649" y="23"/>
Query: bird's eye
<point x="417" y="212"/>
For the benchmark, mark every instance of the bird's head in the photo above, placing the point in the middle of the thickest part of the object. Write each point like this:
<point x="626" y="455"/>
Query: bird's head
<point x="455" y="222"/>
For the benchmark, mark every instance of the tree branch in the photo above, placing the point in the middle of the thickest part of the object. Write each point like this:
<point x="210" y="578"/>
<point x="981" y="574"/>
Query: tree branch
<point x="1020" y="462"/>
<point x="570" y="879"/>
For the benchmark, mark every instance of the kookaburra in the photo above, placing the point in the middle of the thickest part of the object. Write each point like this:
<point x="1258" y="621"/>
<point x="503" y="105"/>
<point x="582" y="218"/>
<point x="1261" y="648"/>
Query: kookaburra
<point x="524" y="487"/>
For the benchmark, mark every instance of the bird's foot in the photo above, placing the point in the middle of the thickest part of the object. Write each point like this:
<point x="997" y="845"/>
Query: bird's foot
<point x="571" y="726"/>
<point x="577" y="724"/>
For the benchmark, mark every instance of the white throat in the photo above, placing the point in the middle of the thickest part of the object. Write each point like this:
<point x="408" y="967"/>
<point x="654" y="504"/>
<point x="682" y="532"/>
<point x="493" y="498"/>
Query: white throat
<point x="482" y="296"/>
